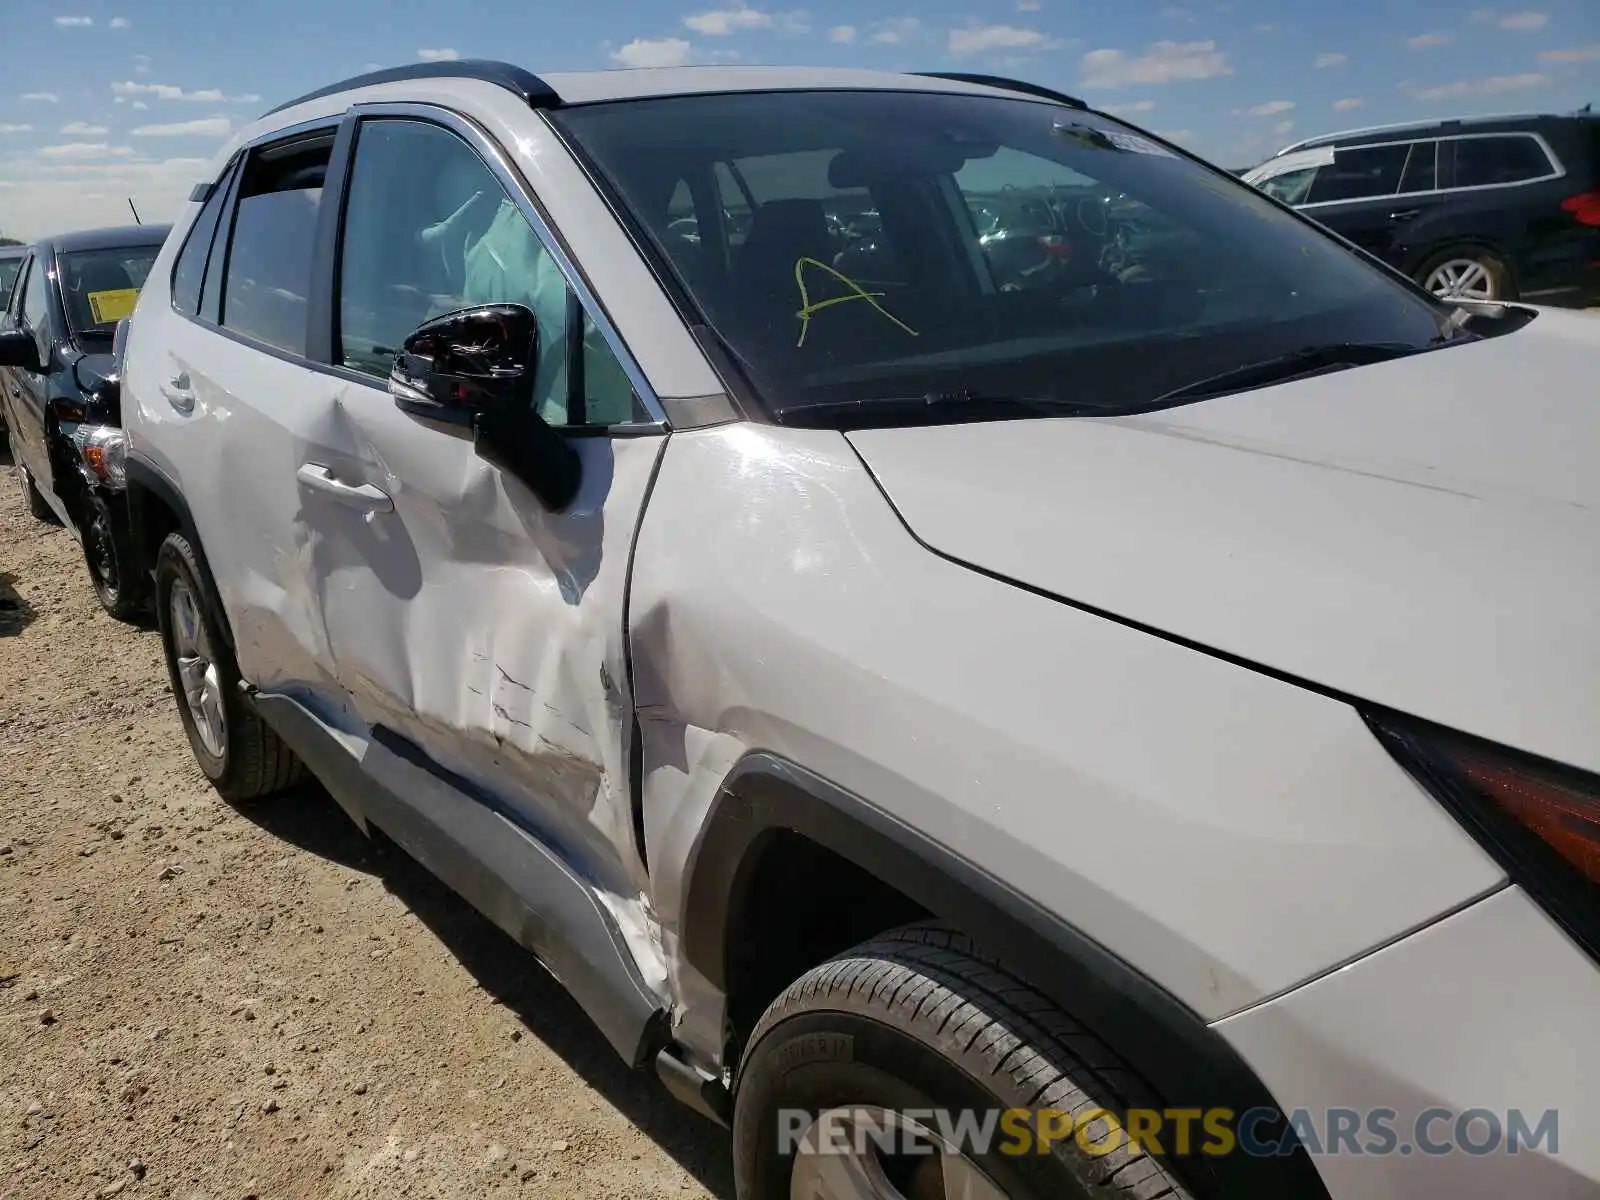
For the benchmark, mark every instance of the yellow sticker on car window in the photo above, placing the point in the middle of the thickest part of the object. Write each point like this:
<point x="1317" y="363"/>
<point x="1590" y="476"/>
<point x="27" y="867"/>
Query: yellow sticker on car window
<point x="107" y="307"/>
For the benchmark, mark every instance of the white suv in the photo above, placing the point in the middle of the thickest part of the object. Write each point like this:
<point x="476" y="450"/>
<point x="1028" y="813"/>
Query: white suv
<point x="948" y="623"/>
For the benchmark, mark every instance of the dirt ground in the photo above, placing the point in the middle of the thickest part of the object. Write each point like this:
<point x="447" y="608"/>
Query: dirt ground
<point x="211" y="1003"/>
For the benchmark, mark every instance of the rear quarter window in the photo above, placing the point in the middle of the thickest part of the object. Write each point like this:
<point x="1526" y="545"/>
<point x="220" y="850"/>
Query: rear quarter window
<point x="1499" y="159"/>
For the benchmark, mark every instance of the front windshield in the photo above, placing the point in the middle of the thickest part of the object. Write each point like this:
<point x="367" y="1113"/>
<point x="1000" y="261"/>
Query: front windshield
<point x="99" y="287"/>
<point x="858" y="245"/>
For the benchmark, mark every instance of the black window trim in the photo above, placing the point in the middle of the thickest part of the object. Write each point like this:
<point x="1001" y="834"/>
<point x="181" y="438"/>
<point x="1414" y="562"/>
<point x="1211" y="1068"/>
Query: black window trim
<point x="1558" y="168"/>
<point x="203" y="194"/>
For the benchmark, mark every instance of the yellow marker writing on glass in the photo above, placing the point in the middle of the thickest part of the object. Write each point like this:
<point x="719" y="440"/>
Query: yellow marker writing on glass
<point x="857" y="292"/>
<point x="112" y="306"/>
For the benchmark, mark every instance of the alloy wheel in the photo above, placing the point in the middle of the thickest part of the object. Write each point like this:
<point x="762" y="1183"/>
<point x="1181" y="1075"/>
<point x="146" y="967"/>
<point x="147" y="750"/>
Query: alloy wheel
<point x="1462" y="279"/>
<point x="875" y="1154"/>
<point x="197" y="669"/>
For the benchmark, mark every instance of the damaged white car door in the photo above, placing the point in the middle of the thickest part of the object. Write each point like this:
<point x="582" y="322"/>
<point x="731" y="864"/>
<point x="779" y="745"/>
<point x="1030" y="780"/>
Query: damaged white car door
<point x="461" y="613"/>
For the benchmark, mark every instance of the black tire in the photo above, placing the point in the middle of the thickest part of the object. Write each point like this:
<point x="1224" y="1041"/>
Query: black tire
<point x="1499" y="270"/>
<point x="37" y="508"/>
<point x="105" y="552"/>
<point x="916" y="1019"/>
<point x="253" y="763"/>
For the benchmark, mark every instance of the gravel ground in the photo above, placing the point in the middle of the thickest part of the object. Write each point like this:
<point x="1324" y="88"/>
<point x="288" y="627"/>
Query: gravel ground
<point x="214" y="1003"/>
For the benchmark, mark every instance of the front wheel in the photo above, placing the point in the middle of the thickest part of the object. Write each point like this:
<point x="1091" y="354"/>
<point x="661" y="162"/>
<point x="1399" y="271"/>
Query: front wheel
<point x="240" y="753"/>
<point x="910" y="1069"/>
<point x="104" y="553"/>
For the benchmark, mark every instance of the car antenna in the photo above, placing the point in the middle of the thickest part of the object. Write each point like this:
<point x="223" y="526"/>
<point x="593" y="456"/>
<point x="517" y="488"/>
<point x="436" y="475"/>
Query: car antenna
<point x="136" y="220"/>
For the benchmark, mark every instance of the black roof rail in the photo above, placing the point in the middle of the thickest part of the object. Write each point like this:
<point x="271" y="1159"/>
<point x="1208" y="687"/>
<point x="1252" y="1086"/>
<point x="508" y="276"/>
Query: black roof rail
<point x="523" y="84"/>
<point x="1010" y="85"/>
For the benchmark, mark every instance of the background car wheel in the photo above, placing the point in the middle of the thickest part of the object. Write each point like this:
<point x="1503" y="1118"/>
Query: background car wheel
<point x="239" y="752"/>
<point x="103" y="552"/>
<point x="37" y="508"/>
<point x="916" y="1020"/>
<point x="1467" y="273"/>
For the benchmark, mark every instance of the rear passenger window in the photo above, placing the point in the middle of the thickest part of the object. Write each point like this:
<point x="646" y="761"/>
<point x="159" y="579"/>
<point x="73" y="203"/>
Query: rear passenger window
<point x="1422" y="168"/>
<point x="191" y="267"/>
<point x="1359" y="173"/>
<point x="1485" y="161"/>
<point x="267" y="287"/>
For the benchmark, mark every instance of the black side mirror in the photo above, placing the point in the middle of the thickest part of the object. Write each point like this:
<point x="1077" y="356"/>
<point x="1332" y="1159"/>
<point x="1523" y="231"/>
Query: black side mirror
<point x="475" y="368"/>
<point x="18" y="349"/>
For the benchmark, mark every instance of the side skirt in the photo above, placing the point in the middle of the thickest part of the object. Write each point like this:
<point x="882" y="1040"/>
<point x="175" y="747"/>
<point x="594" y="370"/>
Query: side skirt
<point x="491" y="862"/>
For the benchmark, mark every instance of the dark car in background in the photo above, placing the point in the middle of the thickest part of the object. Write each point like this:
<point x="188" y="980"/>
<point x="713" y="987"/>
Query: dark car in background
<point x="1488" y="208"/>
<point x="59" y="388"/>
<point x="10" y="264"/>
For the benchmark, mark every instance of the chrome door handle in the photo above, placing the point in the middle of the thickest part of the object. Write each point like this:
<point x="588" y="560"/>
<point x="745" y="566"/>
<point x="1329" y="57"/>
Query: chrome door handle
<point x="1405" y="214"/>
<point x="179" y="392"/>
<point x="357" y="495"/>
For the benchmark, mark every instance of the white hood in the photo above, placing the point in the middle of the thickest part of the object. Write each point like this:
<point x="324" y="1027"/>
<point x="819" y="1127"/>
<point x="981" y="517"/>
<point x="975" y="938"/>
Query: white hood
<point x="1422" y="534"/>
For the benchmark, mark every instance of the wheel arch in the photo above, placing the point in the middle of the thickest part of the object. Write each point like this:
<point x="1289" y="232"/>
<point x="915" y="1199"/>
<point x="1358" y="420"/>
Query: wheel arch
<point x="1186" y="1062"/>
<point x="156" y="507"/>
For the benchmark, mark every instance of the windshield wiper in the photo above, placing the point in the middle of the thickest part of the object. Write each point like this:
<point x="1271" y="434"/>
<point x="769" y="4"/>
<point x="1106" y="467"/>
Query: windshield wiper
<point x="1307" y="360"/>
<point x="932" y="408"/>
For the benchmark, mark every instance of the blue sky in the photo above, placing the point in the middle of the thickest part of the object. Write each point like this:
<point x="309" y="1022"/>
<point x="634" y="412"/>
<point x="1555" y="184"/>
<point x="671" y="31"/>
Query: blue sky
<point x="106" y="98"/>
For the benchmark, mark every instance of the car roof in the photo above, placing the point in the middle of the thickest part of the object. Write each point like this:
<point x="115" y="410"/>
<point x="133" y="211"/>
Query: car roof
<point x="1438" y="127"/>
<point x="111" y="238"/>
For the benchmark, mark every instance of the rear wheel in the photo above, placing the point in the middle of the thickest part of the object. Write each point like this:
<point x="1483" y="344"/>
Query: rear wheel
<point x="1467" y="273"/>
<point x="239" y="752"/>
<point x="857" y="1079"/>
<point x="37" y="506"/>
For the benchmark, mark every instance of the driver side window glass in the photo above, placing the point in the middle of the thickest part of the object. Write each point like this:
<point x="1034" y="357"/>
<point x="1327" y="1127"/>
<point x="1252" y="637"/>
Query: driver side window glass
<point x="429" y="230"/>
<point x="36" y="307"/>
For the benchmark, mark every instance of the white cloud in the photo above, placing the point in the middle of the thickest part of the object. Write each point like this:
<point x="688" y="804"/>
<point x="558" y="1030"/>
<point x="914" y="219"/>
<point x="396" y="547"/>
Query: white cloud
<point x="661" y="52"/>
<point x="1330" y="59"/>
<point x="437" y="54"/>
<point x="46" y="97"/>
<point x="120" y="22"/>
<point x="1270" y="109"/>
<point x="205" y="127"/>
<point x="1424" y="41"/>
<point x="139" y="105"/>
<point x="1029" y="5"/>
<point x="1283" y="127"/>
<point x="1162" y="62"/>
<point x="1133" y="106"/>
<point x="896" y="30"/>
<point x="167" y="91"/>
<point x="77" y="150"/>
<point x="1525" y="22"/>
<point x="54" y="195"/>
<point x="83" y="130"/>
<point x="74" y="22"/>
<point x="980" y="39"/>
<point x="1346" y="104"/>
<point x="141" y="64"/>
<point x="843" y="34"/>
<point x="9" y="128"/>
<point x="1493" y="86"/>
<point x="1579" y="54"/>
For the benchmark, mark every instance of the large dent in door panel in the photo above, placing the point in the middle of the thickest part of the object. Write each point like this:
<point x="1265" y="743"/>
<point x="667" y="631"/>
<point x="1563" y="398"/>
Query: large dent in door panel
<point x="488" y="631"/>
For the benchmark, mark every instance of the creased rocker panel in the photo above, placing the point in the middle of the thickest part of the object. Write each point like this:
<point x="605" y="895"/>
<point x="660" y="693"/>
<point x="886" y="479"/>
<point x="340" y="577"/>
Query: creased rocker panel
<point x="528" y="891"/>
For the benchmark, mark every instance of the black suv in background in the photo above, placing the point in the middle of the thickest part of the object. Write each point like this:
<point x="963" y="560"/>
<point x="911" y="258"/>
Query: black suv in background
<point x="10" y="264"/>
<point x="1487" y="208"/>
